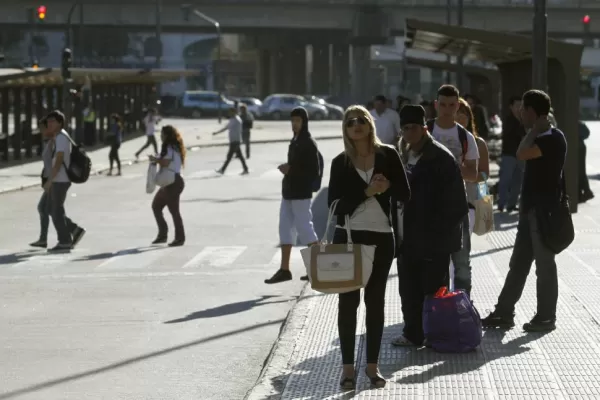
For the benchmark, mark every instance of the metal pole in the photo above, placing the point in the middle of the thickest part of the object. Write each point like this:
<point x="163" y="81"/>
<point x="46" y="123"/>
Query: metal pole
<point x="460" y="73"/>
<point x="539" y="68"/>
<point x="158" y="32"/>
<point x="448" y="22"/>
<point x="216" y="71"/>
<point x="80" y="35"/>
<point x="66" y="106"/>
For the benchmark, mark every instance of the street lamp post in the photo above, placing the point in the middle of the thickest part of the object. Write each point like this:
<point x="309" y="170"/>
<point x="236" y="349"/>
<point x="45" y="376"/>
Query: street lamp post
<point x="187" y="10"/>
<point x="540" y="47"/>
<point x="460" y="76"/>
<point x="67" y="59"/>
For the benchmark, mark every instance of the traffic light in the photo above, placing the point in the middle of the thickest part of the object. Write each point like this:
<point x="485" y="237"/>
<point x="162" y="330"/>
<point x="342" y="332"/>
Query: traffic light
<point x="587" y="37"/>
<point x="67" y="60"/>
<point x="41" y="13"/>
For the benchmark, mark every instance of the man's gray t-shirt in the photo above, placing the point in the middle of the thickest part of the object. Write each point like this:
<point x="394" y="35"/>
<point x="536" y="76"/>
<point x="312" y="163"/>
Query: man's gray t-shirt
<point x="47" y="158"/>
<point x="62" y="144"/>
<point x="234" y="127"/>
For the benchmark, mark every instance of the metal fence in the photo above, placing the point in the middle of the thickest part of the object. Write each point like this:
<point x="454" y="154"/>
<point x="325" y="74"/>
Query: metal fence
<point x="424" y="3"/>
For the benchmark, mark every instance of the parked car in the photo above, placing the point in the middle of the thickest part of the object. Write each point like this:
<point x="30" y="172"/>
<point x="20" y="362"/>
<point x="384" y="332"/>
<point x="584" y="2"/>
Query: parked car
<point x="279" y="106"/>
<point x="202" y="103"/>
<point x="335" y="112"/>
<point x="253" y="104"/>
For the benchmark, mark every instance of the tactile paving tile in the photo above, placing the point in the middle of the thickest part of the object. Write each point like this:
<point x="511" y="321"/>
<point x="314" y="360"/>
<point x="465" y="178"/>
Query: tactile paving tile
<point x="563" y="364"/>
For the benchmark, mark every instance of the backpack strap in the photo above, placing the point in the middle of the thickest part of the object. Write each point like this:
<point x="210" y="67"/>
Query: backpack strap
<point x="464" y="142"/>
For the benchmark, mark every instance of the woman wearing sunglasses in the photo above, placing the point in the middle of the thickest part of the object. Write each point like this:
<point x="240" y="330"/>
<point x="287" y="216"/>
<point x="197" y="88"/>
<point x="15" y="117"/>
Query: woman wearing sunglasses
<point x="366" y="179"/>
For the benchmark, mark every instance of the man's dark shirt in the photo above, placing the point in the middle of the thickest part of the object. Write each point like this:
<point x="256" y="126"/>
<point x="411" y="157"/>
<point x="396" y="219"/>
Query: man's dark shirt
<point x="512" y="134"/>
<point x="541" y="183"/>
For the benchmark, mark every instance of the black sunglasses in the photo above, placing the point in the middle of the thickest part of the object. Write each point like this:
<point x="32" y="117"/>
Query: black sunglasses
<point x="355" y="121"/>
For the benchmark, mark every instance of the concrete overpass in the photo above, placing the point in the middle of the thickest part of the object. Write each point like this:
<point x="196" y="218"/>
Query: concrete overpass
<point x="348" y="16"/>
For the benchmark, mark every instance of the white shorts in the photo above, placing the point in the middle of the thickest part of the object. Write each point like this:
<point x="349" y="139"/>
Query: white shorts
<point x="295" y="216"/>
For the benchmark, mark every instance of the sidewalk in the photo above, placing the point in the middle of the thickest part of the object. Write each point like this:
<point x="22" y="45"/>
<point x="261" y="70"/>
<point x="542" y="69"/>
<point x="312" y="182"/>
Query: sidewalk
<point x="306" y="362"/>
<point x="196" y="133"/>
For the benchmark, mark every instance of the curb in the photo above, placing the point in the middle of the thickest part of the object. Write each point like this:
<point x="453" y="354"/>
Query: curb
<point x="273" y="378"/>
<point x="124" y="163"/>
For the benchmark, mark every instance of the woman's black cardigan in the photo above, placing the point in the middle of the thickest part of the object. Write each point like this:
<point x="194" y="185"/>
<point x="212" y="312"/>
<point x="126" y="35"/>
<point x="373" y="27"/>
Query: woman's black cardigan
<point x="347" y="186"/>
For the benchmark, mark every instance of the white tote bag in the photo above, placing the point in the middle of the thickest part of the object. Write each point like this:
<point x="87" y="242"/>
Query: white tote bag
<point x="164" y="177"/>
<point x="338" y="268"/>
<point x="151" y="178"/>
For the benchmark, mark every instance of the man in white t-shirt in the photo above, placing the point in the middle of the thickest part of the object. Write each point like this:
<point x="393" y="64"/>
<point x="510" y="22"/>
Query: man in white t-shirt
<point x="58" y="184"/>
<point x="463" y="146"/>
<point x="387" y="122"/>
<point x="150" y="121"/>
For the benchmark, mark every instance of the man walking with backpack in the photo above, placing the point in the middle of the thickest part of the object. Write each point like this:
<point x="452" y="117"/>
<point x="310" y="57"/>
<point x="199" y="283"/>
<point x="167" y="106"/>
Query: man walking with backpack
<point x="301" y="177"/>
<point x="463" y="146"/>
<point x="58" y="183"/>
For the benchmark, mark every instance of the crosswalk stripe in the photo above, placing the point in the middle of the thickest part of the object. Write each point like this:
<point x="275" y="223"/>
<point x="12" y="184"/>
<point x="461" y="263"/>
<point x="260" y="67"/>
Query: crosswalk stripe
<point x="295" y="258"/>
<point x="216" y="256"/>
<point x="137" y="258"/>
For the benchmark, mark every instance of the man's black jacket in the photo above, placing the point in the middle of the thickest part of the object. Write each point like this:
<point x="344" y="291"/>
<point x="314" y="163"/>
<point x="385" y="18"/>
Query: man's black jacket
<point x="303" y="160"/>
<point x="438" y="203"/>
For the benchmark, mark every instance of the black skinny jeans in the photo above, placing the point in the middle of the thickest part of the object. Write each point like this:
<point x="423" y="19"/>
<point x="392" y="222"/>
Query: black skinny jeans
<point x="419" y="277"/>
<point x="234" y="149"/>
<point x="584" y="183"/>
<point x="374" y="296"/>
<point x="150" y="140"/>
<point x="169" y="196"/>
<point x="113" y="156"/>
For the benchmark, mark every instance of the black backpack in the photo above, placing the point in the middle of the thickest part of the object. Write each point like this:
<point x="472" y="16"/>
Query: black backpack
<point x="80" y="167"/>
<point x="318" y="180"/>
<point x="462" y="136"/>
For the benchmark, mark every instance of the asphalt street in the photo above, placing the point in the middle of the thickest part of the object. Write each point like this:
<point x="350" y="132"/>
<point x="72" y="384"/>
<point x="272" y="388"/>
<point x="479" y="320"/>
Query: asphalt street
<point x="119" y="319"/>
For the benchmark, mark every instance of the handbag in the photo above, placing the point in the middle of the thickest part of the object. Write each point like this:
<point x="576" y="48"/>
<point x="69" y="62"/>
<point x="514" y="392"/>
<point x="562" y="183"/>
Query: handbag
<point x="484" y="210"/>
<point x="555" y="223"/>
<point x="164" y="177"/>
<point x="151" y="178"/>
<point x="338" y="268"/>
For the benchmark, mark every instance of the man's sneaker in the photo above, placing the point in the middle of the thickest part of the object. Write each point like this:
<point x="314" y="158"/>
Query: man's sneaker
<point x="246" y="172"/>
<point x="61" y="248"/>
<point x="281" y="275"/>
<point x="539" y="325"/>
<point x="77" y="235"/>
<point x="39" y="243"/>
<point x="304" y="278"/>
<point x="495" y="320"/>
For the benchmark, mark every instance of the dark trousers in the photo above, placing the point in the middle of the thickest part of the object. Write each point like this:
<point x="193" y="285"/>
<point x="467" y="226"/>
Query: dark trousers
<point x="419" y="277"/>
<point x="150" y="140"/>
<point x="113" y="156"/>
<point x="234" y="149"/>
<point x="63" y="225"/>
<point x="169" y="196"/>
<point x="246" y="141"/>
<point x="89" y="133"/>
<point x="584" y="183"/>
<point x="529" y="247"/>
<point x="374" y="296"/>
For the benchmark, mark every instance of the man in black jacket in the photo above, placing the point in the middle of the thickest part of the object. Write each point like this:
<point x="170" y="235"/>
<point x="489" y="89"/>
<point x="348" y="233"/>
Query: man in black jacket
<point x="429" y="224"/>
<point x="511" y="169"/>
<point x="299" y="175"/>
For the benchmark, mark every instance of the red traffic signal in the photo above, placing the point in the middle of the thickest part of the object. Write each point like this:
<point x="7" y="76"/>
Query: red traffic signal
<point x="586" y="19"/>
<point x="41" y="10"/>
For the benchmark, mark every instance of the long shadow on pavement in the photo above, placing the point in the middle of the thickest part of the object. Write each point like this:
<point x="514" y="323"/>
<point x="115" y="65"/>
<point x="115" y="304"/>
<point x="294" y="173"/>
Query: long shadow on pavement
<point x="20" y="256"/>
<point x="232" y="200"/>
<point x="125" y="252"/>
<point x="130" y="361"/>
<point x="228" y="309"/>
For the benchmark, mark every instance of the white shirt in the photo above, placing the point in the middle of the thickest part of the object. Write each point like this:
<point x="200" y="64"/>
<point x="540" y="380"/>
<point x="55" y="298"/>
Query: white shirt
<point x="369" y="216"/>
<point x="450" y="139"/>
<point x="387" y="126"/>
<point x="62" y="144"/>
<point x="175" y="157"/>
<point x="150" y="122"/>
<point x="234" y="129"/>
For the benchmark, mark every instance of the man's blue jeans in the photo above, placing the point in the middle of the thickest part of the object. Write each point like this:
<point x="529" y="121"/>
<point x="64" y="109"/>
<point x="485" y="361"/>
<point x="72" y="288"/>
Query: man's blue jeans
<point x="462" y="261"/>
<point x="511" y="177"/>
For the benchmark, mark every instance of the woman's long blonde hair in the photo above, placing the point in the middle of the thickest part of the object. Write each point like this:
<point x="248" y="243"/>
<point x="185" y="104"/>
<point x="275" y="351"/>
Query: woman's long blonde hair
<point x="359" y="111"/>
